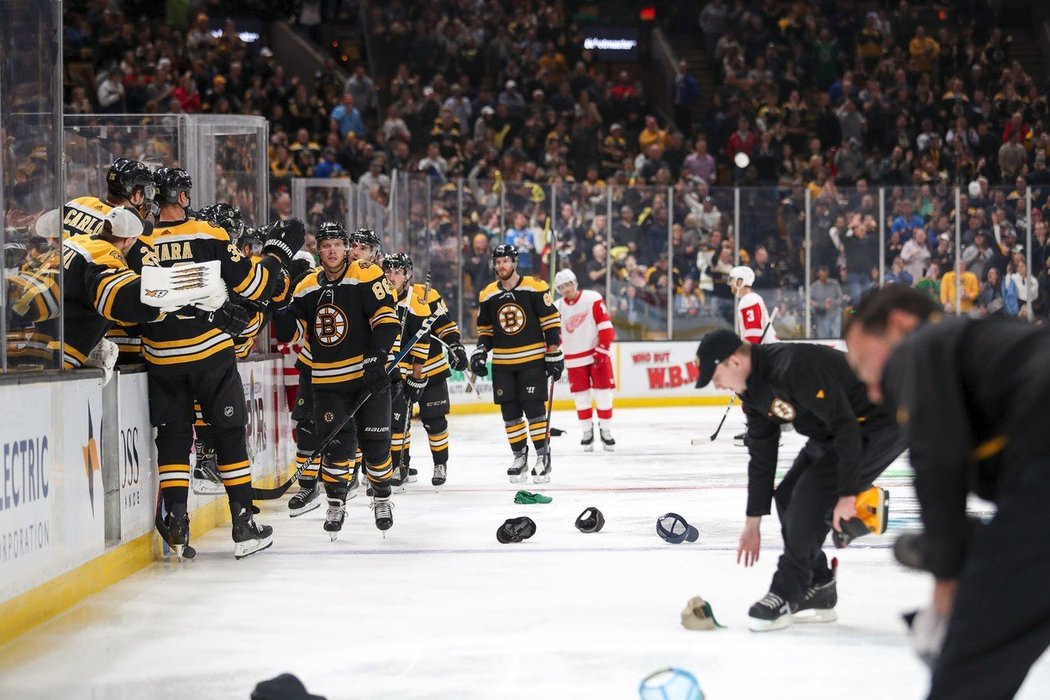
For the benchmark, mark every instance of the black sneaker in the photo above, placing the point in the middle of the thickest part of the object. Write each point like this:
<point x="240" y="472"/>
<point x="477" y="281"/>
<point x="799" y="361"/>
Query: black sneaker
<point x="770" y="613"/>
<point x="248" y="536"/>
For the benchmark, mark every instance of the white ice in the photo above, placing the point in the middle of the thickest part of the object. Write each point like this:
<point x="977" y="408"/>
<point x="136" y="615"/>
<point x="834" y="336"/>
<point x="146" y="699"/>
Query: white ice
<point x="439" y="609"/>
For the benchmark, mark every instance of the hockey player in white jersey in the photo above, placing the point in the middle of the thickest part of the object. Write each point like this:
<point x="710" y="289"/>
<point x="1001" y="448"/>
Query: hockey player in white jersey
<point x="751" y="315"/>
<point x="587" y="335"/>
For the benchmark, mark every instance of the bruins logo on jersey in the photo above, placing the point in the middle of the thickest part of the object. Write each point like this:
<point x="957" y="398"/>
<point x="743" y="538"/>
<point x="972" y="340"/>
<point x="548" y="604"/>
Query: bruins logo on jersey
<point x="511" y="318"/>
<point x="783" y="410"/>
<point x="330" y="325"/>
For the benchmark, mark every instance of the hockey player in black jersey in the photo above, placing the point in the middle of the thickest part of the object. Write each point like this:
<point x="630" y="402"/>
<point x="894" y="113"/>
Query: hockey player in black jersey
<point x="129" y="184"/>
<point x="971" y="397"/>
<point x="518" y="323"/>
<point x="347" y="310"/>
<point x="191" y="356"/>
<point x="851" y="441"/>
<point x="100" y="289"/>
<point x="425" y="370"/>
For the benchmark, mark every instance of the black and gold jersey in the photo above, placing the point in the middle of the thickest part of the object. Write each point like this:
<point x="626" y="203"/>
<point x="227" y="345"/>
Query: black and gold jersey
<point x="32" y="324"/>
<point x="182" y="341"/>
<point x="518" y="324"/>
<point x="84" y="215"/>
<point x="100" y="289"/>
<point x="344" y="319"/>
<point x="244" y="342"/>
<point x="419" y="303"/>
<point x="128" y="336"/>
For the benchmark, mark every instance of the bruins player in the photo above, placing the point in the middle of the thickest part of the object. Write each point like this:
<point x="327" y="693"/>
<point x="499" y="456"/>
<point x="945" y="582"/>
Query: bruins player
<point x="364" y="245"/>
<point x="100" y="288"/>
<point x="348" y="312"/>
<point x="518" y="323"/>
<point x="192" y="356"/>
<point x="33" y="291"/>
<point x="129" y="184"/>
<point x="425" y="369"/>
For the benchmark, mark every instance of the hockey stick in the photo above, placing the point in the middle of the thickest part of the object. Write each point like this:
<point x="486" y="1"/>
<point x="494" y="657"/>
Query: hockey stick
<point x="469" y="375"/>
<point x="278" y="491"/>
<point x="408" y="403"/>
<point x="550" y="409"/>
<point x="732" y="399"/>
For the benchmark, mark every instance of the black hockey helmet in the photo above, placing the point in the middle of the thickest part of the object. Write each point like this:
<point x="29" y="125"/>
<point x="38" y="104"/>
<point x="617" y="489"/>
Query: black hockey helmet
<point x="505" y="250"/>
<point x="255" y="237"/>
<point x="368" y="237"/>
<point x="170" y="182"/>
<point x="126" y="177"/>
<point x="226" y="217"/>
<point x="332" y="229"/>
<point x="398" y="261"/>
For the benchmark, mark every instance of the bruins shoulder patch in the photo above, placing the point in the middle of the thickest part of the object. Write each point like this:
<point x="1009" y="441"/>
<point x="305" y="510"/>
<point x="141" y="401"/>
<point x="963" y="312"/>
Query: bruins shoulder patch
<point x="548" y="299"/>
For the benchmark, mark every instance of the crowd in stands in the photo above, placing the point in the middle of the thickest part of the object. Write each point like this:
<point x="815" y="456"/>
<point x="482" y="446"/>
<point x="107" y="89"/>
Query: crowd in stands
<point x="500" y="127"/>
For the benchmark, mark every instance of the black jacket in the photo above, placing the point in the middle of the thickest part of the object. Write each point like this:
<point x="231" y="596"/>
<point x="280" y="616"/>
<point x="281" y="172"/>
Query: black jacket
<point x="813" y="387"/>
<point x="971" y="397"/>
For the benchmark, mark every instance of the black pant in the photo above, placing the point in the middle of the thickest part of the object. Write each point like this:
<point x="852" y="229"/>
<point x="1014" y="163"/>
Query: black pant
<point x="369" y="428"/>
<point x="807" y="495"/>
<point x="1000" y="622"/>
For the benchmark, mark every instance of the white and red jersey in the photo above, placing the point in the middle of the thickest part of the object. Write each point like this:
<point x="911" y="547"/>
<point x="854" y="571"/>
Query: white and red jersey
<point x="585" y="326"/>
<point x="751" y="319"/>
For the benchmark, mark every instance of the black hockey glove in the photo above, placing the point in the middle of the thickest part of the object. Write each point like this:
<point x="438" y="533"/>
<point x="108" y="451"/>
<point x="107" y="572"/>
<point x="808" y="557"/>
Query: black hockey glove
<point x="376" y="378"/>
<point x="555" y="364"/>
<point x="230" y="318"/>
<point x="297" y="269"/>
<point x="457" y="357"/>
<point x="478" y="362"/>
<point x="414" y="388"/>
<point x="285" y="239"/>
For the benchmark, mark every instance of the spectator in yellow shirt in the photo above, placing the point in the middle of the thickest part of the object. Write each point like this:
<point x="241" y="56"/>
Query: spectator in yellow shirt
<point x="652" y="133"/>
<point x="969" y="285"/>
<point x="924" y="51"/>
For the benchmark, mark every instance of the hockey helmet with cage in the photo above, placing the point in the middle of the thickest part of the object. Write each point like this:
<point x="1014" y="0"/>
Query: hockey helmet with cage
<point x="332" y="230"/>
<point x="170" y="183"/>
<point x="126" y="177"/>
<point x="505" y="250"/>
<point x="366" y="236"/>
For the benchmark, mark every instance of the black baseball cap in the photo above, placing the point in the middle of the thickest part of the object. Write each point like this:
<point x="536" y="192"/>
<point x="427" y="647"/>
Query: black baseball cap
<point x="714" y="347"/>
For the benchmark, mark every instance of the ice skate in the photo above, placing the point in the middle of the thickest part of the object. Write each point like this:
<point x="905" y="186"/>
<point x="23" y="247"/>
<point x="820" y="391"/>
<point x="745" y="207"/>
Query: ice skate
<point x="818" y="605"/>
<point x="334" y="518"/>
<point x="608" y="444"/>
<point x="248" y="536"/>
<point x="518" y="471"/>
<point x="205" y="479"/>
<point x="541" y="471"/>
<point x="770" y="613"/>
<point x="355" y="481"/>
<point x="383" y="512"/>
<point x="588" y="440"/>
<point x="178" y="523"/>
<point x="440" y="472"/>
<point x="306" y="500"/>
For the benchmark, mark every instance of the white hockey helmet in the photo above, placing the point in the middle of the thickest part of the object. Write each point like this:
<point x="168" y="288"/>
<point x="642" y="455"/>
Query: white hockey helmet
<point x="744" y="273"/>
<point x="564" y="277"/>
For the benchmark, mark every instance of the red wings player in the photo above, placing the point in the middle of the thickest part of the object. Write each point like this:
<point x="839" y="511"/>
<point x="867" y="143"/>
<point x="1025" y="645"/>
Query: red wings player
<point x="751" y="315"/>
<point x="587" y="335"/>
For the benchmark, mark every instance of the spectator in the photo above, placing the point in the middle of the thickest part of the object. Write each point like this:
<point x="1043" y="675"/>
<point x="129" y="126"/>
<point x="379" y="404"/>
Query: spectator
<point x="346" y="118"/>
<point x="998" y="296"/>
<point x="684" y="96"/>
<point x="930" y="282"/>
<point x="522" y="237"/>
<point x="826" y="298"/>
<point x="110" y="92"/>
<point x="969" y="289"/>
<point x="916" y="254"/>
<point x="700" y="163"/>
<point x="688" y="300"/>
<point x="1012" y="157"/>
<point x="1026" y="287"/>
<point x="328" y="167"/>
<point x="897" y="274"/>
<point x="361" y="86"/>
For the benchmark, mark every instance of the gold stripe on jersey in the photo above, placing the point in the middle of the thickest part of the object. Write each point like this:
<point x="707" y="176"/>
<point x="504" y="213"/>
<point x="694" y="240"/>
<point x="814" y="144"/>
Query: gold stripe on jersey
<point x="552" y="321"/>
<point x="38" y="300"/>
<point x="527" y="284"/>
<point x="84" y="215"/>
<point x="253" y="285"/>
<point x="128" y="345"/>
<point x="107" y="290"/>
<point x="518" y="355"/>
<point x="71" y="357"/>
<point x="446" y="329"/>
<point x="337" y="372"/>
<point x="175" y="352"/>
<point x="383" y="315"/>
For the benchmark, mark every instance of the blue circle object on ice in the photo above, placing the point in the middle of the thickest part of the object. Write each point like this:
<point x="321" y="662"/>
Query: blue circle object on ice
<point x="670" y="684"/>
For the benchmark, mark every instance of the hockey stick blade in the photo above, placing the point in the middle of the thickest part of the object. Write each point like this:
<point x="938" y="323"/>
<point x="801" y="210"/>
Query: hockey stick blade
<point x="557" y="432"/>
<point x="278" y="491"/>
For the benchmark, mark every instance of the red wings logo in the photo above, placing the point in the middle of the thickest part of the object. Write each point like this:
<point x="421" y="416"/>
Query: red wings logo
<point x="575" y="322"/>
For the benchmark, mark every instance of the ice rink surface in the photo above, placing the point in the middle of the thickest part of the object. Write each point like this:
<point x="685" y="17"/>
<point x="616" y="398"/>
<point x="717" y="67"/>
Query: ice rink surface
<point x="439" y="609"/>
